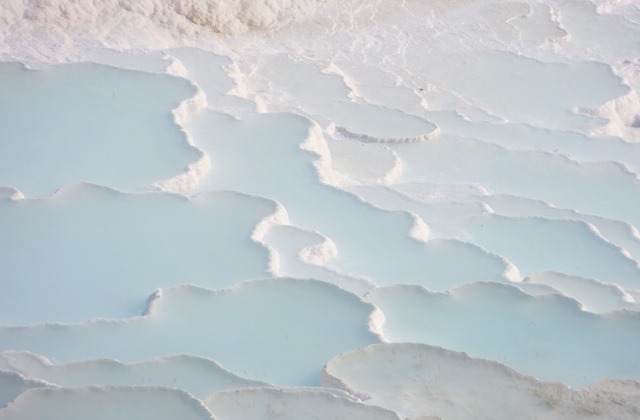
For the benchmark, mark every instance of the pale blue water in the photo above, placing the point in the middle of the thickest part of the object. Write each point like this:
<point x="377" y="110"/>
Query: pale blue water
<point x="548" y="337"/>
<point x="92" y="123"/>
<point x="89" y="252"/>
<point x="281" y="331"/>
<point x="262" y="156"/>
<point x="602" y="188"/>
<point x="276" y="260"/>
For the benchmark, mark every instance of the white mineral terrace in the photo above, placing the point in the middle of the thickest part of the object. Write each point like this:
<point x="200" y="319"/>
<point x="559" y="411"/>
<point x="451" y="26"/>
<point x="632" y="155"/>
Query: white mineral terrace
<point x="326" y="209"/>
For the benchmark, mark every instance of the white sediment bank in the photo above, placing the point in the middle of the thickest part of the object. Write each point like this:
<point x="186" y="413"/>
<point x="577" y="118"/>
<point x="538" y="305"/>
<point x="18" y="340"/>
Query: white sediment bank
<point x="418" y="380"/>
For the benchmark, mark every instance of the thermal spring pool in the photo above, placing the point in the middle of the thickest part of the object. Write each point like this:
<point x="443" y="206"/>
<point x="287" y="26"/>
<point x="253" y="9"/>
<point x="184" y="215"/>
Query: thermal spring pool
<point x="318" y="209"/>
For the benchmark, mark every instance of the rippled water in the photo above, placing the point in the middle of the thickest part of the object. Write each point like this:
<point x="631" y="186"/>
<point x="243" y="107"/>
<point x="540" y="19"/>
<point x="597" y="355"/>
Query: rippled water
<point x="366" y="212"/>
